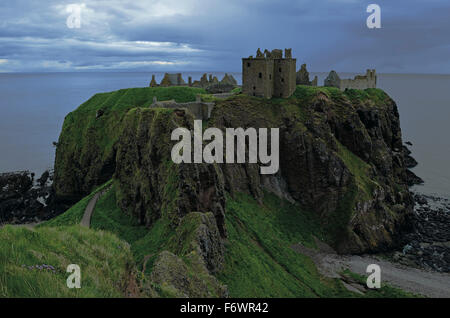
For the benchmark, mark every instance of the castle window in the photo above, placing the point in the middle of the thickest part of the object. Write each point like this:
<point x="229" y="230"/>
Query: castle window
<point x="248" y="64"/>
<point x="260" y="75"/>
<point x="254" y="87"/>
<point x="280" y="69"/>
<point x="282" y="80"/>
<point x="270" y="76"/>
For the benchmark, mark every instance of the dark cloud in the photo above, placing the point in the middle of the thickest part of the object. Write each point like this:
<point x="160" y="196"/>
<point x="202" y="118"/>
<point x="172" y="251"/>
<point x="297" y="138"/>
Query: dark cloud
<point x="213" y="35"/>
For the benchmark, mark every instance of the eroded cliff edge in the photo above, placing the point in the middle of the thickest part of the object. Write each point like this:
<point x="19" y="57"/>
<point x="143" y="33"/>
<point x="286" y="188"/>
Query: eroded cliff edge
<point x="341" y="157"/>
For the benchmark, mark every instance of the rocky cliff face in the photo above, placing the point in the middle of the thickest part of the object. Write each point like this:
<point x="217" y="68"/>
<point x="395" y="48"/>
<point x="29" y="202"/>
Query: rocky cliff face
<point x="341" y="156"/>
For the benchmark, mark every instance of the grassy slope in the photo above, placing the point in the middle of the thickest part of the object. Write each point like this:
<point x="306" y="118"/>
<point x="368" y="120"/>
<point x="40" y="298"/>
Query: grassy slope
<point x="260" y="263"/>
<point x="144" y="242"/>
<point x="104" y="261"/>
<point x="107" y="216"/>
<point x="259" y="260"/>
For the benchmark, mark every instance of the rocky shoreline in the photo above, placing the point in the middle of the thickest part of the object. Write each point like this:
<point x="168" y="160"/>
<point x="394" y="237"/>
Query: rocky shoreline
<point x="427" y="246"/>
<point x="25" y="200"/>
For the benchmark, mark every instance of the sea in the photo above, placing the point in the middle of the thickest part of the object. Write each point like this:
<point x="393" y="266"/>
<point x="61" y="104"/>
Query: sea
<point x="33" y="107"/>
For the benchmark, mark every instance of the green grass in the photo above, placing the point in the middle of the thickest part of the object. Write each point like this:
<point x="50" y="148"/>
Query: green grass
<point x="152" y="243"/>
<point x="360" y="169"/>
<point x="209" y="98"/>
<point x="107" y="216"/>
<point x="374" y="95"/>
<point x="105" y="262"/>
<point x="88" y="141"/>
<point x="260" y="263"/>
<point x="305" y="94"/>
<point x="74" y="215"/>
<point x="115" y="105"/>
<point x="259" y="259"/>
<point x="236" y="90"/>
<point x="144" y="241"/>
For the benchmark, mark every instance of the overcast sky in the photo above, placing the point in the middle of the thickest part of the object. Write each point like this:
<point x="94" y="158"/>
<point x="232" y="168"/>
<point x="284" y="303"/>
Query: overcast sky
<point x="213" y="35"/>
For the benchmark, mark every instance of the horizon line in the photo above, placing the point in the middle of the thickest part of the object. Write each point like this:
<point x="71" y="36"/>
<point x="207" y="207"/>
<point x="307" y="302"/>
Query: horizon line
<point x="191" y="71"/>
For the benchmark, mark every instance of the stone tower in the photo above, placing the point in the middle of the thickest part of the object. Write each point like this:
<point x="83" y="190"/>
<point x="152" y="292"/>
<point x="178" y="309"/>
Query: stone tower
<point x="269" y="75"/>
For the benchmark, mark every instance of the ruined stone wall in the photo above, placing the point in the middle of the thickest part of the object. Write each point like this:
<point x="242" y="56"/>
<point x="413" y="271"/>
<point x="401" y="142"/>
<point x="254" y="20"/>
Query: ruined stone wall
<point x="360" y="81"/>
<point x="257" y="77"/>
<point x="200" y="110"/>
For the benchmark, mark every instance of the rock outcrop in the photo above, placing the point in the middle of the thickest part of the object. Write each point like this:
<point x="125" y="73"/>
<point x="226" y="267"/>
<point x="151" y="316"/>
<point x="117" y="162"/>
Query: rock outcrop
<point x="341" y="156"/>
<point x="26" y="200"/>
<point x="144" y="168"/>
<point x="427" y="245"/>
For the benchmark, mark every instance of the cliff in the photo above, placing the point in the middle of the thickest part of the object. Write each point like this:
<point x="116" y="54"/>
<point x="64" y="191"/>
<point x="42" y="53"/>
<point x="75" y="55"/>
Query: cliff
<point x="342" y="178"/>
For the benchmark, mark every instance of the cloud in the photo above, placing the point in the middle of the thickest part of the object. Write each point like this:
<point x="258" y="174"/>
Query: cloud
<point x="212" y="35"/>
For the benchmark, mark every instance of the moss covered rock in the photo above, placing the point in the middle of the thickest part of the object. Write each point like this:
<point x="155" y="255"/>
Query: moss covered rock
<point x="340" y="156"/>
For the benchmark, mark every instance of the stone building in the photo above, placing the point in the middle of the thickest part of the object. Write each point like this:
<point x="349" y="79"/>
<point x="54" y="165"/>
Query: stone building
<point x="212" y="83"/>
<point x="332" y="80"/>
<point x="358" y="82"/>
<point x="172" y="80"/>
<point x="269" y="75"/>
<point x="199" y="109"/>
<point x="303" y="77"/>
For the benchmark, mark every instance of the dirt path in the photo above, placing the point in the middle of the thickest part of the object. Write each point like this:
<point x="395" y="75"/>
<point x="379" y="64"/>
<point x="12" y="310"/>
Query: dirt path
<point x="86" y="220"/>
<point x="330" y="264"/>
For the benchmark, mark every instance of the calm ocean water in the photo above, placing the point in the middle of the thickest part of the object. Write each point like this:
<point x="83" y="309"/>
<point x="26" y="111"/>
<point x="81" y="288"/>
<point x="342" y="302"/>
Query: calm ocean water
<point x="33" y="107"/>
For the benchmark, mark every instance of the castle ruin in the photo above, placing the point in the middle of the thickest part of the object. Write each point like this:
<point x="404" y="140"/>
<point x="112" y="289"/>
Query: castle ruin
<point x="199" y="109"/>
<point x="358" y="82"/>
<point x="303" y="77"/>
<point x="269" y="75"/>
<point x="211" y="83"/>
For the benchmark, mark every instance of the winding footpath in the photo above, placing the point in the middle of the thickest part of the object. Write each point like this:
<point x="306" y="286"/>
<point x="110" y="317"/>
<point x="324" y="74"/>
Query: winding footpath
<point x="418" y="281"/>
<point x="87" y="216"/>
